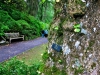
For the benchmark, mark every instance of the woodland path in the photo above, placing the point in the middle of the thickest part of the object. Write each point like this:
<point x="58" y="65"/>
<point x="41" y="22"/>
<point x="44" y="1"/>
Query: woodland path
<point x="16" y="48"/>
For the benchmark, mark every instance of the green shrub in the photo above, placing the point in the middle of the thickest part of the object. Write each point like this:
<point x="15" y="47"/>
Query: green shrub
<point x="16" y="21"/>
<point x="23" y="24"/>
<point x="4" y="16"/>
<point x="3" y="28"/>
<point x="16" y="15"/>
<point x="16" y="67"/>
<point x="44" y="25"/>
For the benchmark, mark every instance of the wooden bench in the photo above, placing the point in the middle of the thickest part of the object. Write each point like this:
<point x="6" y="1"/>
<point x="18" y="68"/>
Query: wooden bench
<point x="11" y="36"/>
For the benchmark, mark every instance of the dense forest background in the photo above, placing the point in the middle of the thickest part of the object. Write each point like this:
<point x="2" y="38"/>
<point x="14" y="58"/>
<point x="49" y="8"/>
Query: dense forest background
<point x="28" y="17"/>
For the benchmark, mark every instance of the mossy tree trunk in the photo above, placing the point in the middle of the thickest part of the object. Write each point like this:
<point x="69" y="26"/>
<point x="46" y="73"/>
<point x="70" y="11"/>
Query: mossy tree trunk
<point x="80" y="53"/>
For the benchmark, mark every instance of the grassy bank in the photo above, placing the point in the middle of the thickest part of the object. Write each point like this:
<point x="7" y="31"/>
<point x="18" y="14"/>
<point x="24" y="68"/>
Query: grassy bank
<point x="33" y="56"/>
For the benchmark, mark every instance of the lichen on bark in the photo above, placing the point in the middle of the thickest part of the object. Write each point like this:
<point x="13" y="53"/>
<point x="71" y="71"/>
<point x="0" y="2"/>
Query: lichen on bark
<point x="80" y="51"/>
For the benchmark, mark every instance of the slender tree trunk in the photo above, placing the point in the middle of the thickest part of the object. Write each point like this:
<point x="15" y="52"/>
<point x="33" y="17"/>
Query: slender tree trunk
<point x="41" y="15"/>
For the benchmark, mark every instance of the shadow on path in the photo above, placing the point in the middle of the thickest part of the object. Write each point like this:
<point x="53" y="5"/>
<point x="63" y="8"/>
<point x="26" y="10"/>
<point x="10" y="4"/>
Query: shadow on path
<point x="14" y="49"/>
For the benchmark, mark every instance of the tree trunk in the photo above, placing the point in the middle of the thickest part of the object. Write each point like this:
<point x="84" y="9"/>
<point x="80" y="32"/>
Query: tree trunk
<point x="80" y="54"/>
<point x="33" y="6"/>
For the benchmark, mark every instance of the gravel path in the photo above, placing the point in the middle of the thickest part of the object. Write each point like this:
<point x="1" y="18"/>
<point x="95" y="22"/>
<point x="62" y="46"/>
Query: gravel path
<point x="14" y="49"/>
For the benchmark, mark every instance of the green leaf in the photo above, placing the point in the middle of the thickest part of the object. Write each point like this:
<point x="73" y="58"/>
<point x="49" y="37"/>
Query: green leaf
<point x="56" y="28"/>
<point x="59" y="60"/>
<point x="43" y="1"/>
<point x="77" y="30"/>
<point x="77" y="26"/>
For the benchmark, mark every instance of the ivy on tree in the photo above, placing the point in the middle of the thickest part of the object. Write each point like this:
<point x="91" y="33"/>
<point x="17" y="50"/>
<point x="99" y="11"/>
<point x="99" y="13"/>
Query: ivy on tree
<point x="77" y="28"/>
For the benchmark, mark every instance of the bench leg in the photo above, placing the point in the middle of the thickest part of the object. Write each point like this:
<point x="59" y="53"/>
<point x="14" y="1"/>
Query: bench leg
<point x="22" y="38"/>
<point x="9" y="40"/>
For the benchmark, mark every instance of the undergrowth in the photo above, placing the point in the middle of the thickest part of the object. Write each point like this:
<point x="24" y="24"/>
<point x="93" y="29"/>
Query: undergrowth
<point x="16" y="67"/>
<point x="25" y="24"/>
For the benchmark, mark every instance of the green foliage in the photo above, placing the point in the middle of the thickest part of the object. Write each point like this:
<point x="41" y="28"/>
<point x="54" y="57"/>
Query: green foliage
<point x="56" y="28"/>
<point x="46" y="11"/>
<point x="4" y="17"/>
<point x="44" y="26"/>
<point x="51" y="70"/>
<point x="16" y="67"/>
<point x="43" y="1"/>
<point x="13" y="4"/>
<point x="80" y="2"/>
<point x="63" y="72"/>
<point x="45" y="56"/>
<point x="16" y="15"/>
<point x="23" y="24"/>
<point x="54" y="71"/>
<point x="42" y="68"/>
<point x="16" y="21"/>
<point x="93" y="65"/>
<point x="60" y="61"/>
<point x="91" y="43"/>
<point x="78" y="70"/>
<point x="2" y="29"/>
<point x="77" y="28"/>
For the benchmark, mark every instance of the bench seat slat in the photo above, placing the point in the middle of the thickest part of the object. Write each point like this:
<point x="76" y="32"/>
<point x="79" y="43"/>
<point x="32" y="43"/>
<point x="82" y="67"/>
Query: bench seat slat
<point x="11" y="36"/>
<point x="16" y="37"/>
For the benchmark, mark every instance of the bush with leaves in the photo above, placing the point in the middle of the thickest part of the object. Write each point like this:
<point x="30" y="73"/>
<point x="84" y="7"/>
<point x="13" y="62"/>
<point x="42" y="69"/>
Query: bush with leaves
<point x="4" y="17"/>
<point x="3" y="28"/>
<point x="16" y="67"/>
<point x="20" y="22"/>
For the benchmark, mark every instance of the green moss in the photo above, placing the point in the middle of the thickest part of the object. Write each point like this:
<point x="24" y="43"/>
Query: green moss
<point x="48" y="71"/>
<point x="54" y="71"/>
<point x="60" y="61"/>
<point x="91" y="43"/>
<point x="58" y="11"/>
<point x="56" y="28"/>
<point x="59" y="40"/>
<point x="60" y="31"/>
<point x="63" y="72"/>
<point x="93" y="65"/>
<point x="55" y="58"/>
<point x="78" y="70"/>
<point x="88" y="48"/>
<point x="80" y="2"/>
<point x="50" y="55"/>
<point x="76" y="56"/>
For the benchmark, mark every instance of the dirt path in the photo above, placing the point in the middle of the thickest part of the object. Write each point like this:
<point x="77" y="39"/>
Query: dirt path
<point x="14" y="49"/>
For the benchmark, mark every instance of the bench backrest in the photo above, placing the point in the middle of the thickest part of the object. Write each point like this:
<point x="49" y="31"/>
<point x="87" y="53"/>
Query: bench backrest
<point x="11" y="35"/>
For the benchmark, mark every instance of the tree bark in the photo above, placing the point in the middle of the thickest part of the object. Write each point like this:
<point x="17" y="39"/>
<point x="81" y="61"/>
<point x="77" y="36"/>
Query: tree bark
<point x="80" y="54"/>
